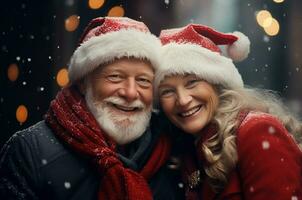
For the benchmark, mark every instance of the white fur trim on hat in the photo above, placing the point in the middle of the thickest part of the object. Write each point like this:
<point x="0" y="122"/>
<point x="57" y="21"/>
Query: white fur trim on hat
<point x="113" y="45"/>
<point x="190" y="58"/>
<point x="240" y="49"/>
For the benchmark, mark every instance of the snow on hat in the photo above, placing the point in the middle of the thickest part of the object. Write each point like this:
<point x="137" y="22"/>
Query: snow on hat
<point x="193" y="49"/>
<point x="109" y="38"/>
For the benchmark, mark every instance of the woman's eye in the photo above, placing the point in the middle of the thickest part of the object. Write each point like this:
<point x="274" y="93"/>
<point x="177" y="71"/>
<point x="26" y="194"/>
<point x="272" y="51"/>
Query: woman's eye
<point x="192" y="83"/>
<point x="166" y="93"/>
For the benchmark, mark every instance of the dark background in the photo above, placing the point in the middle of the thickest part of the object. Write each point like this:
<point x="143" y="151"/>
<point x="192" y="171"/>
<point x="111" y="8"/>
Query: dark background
<point x="33" y="36"/>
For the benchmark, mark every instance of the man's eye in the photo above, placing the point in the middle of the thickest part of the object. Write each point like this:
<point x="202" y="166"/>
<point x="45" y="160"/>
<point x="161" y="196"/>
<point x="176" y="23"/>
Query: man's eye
<point x="114" y="77"/>
<point x="144" y="82"/>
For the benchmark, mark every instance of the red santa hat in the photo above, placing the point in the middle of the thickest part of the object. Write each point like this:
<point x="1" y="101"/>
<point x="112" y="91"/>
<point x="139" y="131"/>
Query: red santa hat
<point x="194" y="49"/>
<point x="109" y="38"/>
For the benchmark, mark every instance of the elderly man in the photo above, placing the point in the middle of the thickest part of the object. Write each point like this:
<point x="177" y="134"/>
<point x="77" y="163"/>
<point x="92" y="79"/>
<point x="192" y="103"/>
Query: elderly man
<point x="95" y="141"/>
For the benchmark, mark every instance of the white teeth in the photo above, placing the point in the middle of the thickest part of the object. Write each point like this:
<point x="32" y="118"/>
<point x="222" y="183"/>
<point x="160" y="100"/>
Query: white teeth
<point x="125" y="108"/>
<point x="190" y="112"/>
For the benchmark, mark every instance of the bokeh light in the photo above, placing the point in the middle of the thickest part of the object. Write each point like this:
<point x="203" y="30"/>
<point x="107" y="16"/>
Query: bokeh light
<point x="13" y="72"/>
<point x="262" y="16"/>
<point x="278" y="1"/>
<point x="95" y="4"/>
<point x="72" y="23"/>
<point x="273" y="29"/>
<point x="21" y="114"/>
<point x="62" y="77"/>
<point x="267" y="22"/>
<point x="116" y="11"/>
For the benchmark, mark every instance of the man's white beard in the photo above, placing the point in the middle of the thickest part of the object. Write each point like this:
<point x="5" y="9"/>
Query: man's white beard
<point x="121" y="128"/>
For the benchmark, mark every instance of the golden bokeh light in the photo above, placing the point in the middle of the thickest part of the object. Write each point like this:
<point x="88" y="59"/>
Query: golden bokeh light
<point x="95" y="4"/>
<point x="262" y="16"/>
<point x="72" y="23"/>
<point x="273" y="29"/>
<point x="116" y="11"/>
<point x="278" y="1"/>
<point x="267" y="22"/>
<point x="13" y="72"/>
<point x="62" y="77"/>
<point x="21" y="114"/>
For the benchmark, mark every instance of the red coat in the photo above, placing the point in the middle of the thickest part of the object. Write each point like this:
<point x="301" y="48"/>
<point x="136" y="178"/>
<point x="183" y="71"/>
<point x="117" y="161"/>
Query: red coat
<point x="269" y="163"/>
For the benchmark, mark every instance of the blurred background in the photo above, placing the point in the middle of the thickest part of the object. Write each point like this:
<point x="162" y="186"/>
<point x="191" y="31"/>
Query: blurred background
<point x="37" y="39"/>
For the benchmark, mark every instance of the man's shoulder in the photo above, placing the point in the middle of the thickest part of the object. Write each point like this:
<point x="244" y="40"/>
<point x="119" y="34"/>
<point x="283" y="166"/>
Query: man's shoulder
<point x="33" y="132"/>
<point x="37" y="141"/>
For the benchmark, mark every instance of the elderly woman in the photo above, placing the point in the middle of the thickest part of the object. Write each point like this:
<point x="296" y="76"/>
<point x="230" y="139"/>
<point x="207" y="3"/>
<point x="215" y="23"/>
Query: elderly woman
<point x="241" y="144"/>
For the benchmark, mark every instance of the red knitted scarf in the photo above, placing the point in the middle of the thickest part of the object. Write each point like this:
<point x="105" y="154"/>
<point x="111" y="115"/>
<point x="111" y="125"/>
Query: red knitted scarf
<point x="71" y="121"/>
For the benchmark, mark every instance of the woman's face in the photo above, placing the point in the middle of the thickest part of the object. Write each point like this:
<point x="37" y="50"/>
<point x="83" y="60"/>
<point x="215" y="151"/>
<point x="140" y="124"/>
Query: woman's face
<point x="188" y="102"/>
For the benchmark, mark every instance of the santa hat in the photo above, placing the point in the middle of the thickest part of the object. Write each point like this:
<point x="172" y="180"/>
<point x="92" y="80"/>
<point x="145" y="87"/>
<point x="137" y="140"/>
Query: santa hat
<point x="110" y="38"/>
<point x="193" y="49"/>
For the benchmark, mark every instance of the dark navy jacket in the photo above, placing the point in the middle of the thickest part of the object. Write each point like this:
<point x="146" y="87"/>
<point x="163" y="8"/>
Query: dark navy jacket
<point x="34" y="164"/>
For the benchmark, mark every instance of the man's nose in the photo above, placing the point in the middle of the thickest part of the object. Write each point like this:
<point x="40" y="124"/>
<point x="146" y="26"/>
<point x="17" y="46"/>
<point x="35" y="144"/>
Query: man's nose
<point x="129" y="91"/>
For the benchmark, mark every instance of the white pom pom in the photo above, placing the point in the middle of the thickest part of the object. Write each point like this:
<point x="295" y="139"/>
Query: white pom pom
<point x="240" y="49"/>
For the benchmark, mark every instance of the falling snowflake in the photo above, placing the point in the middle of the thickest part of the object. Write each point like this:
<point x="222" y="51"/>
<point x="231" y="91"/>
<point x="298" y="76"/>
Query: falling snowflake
<point x="29" y="59"/>
<point x="294" y="198"/>
<point x="40" y="89"/>
<point x="265" y="145"/>
<point x="24" y="83"/>
<point x="44" y="161"/>
<point x="67" y="185"/>
<point x="167" y="2"/>
<point x="18" y="58"/>
<point x="252" y="189"/>
<point x="282" y="159"/>
<point x="271" y="130"/>
<point x="265" y="38"/>
<point x="269" y="48"/>
<point x="180" y="185"/>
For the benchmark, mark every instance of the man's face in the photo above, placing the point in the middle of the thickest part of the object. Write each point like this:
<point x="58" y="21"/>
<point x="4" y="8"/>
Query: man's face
<point x="120" y="96"/>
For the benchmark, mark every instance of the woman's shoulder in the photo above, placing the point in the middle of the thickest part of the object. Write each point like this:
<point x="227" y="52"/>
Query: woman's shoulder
<point x="266" y="150"/>
<point x="264" y="122"/>
<point x="264" y="131"/>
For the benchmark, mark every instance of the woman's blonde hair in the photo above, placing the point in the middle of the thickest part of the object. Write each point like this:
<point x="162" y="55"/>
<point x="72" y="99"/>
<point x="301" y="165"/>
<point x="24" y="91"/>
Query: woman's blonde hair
<point x="220" y="150"/>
